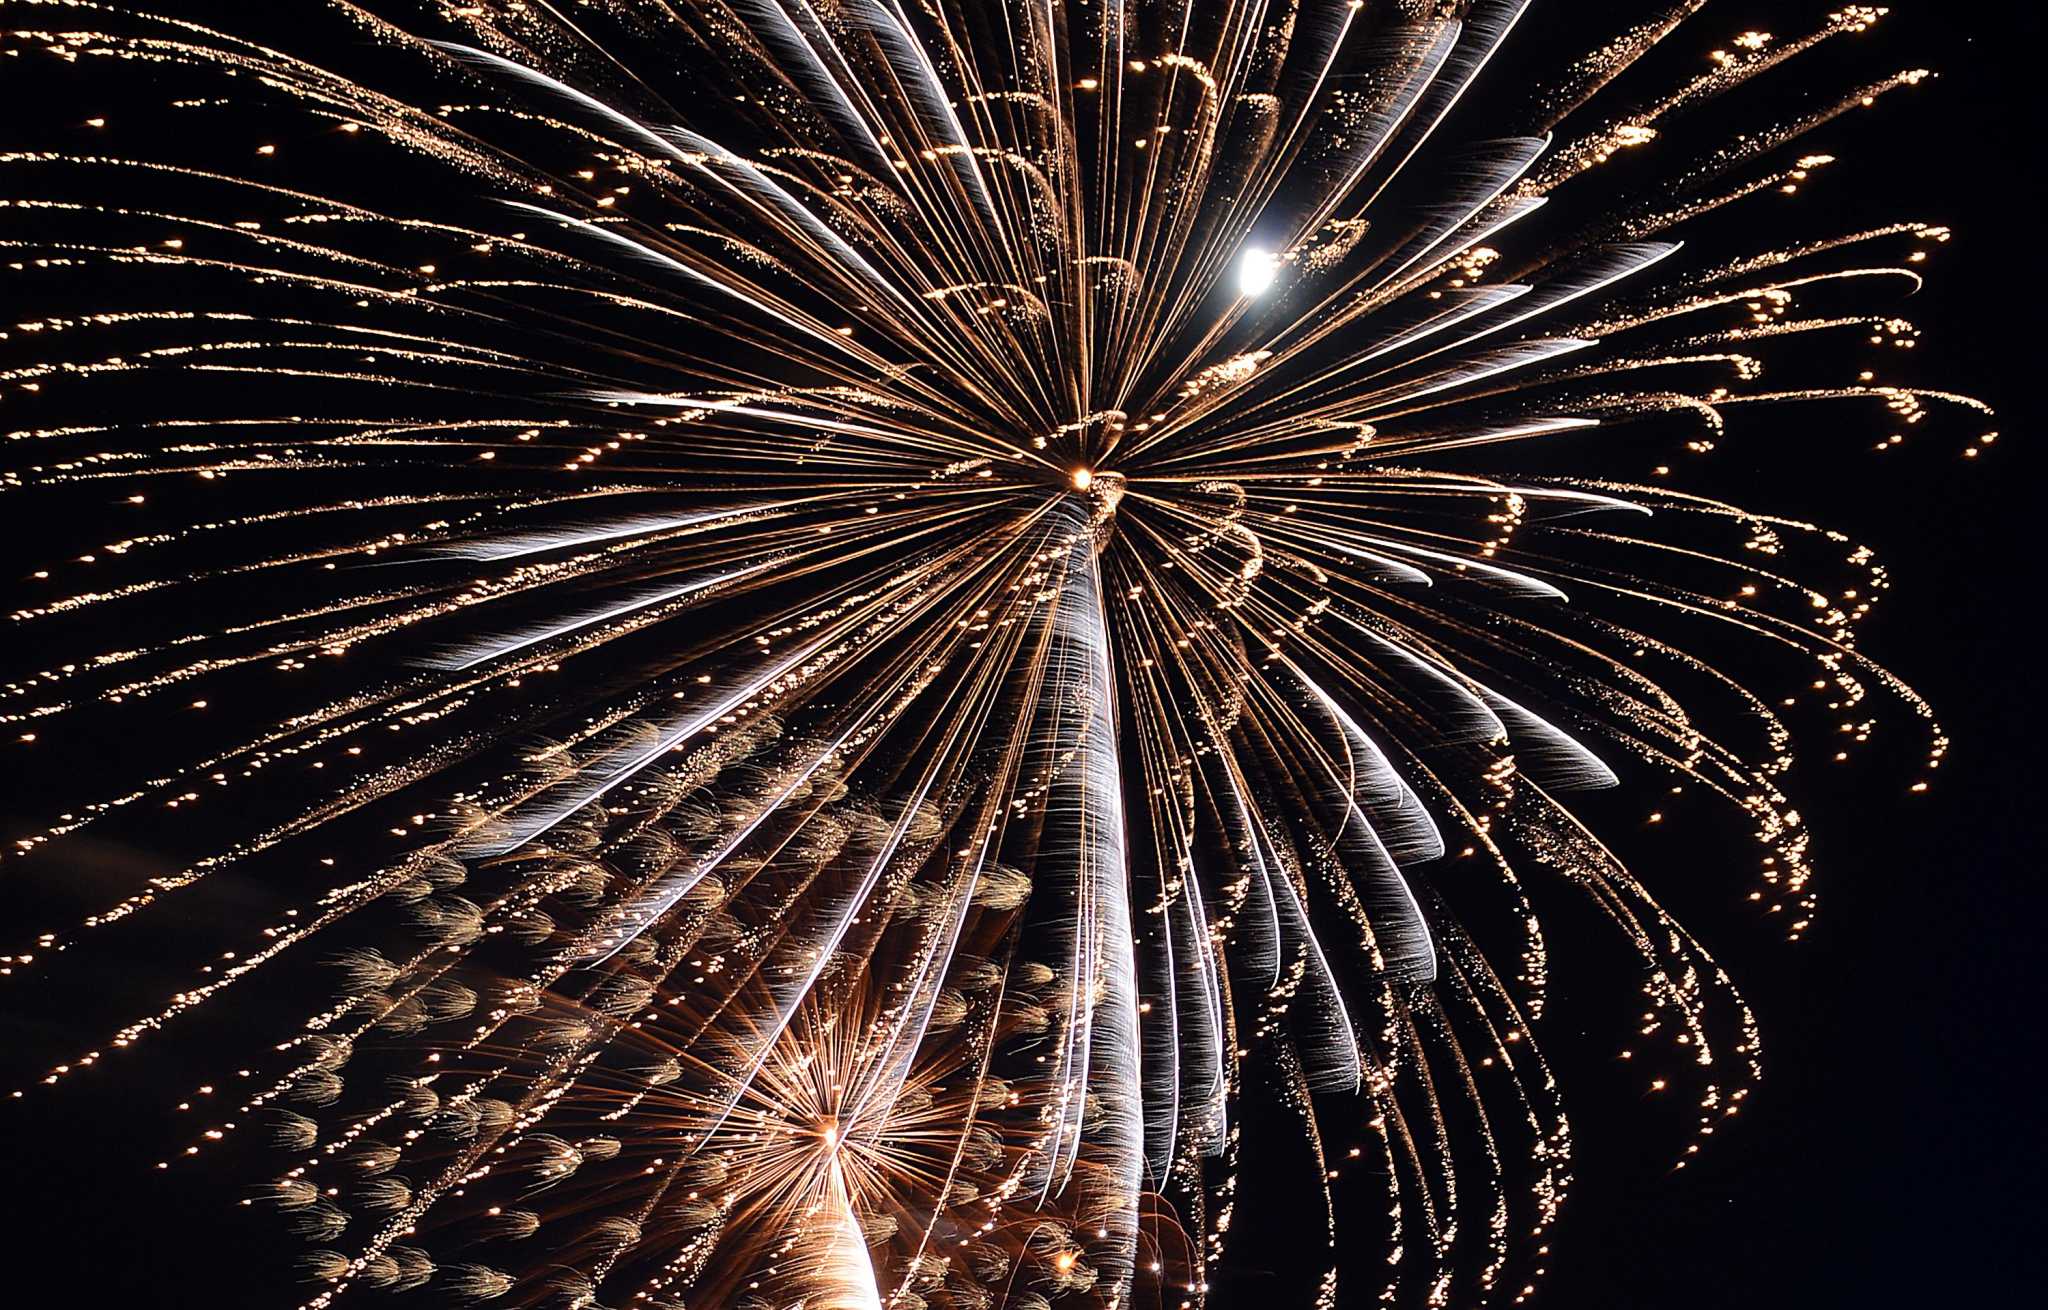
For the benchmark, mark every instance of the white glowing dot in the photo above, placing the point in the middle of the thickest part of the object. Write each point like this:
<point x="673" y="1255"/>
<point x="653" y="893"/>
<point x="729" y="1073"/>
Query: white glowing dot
<point x="1084" y="478"/>
<point x="1256" y="269"/>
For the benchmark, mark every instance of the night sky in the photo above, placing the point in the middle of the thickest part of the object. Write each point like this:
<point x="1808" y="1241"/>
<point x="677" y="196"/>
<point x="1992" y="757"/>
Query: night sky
<point x="1891" y="1156"/>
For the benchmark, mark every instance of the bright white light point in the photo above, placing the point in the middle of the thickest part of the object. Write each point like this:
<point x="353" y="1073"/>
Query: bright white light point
<point x="1256" y="269"/>
<point x="1084" y="478"/>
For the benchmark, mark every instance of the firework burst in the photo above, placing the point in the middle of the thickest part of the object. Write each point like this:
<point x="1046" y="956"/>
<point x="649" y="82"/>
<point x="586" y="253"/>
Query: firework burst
<point x="866" y="641"/>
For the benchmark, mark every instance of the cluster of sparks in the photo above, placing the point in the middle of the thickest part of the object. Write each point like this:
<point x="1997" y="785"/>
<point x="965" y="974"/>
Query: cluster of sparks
<point x="867" y="640"/>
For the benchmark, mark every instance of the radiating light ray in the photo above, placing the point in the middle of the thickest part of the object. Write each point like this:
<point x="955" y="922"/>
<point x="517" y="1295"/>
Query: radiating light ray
<point x="915" y="656"/>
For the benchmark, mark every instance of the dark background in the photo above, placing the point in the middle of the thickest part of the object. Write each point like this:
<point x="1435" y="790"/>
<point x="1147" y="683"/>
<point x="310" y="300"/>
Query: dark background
<point x="1891" y="1156"/>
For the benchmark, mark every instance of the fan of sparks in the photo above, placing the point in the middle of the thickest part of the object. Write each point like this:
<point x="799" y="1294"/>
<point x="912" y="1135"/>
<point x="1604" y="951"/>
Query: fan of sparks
<point x="860" y="654"/>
